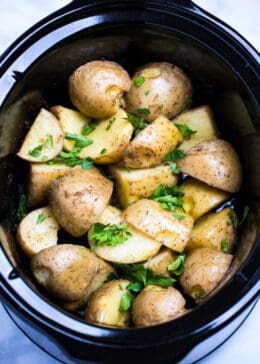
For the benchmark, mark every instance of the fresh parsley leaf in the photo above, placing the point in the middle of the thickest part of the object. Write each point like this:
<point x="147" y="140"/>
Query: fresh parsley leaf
<point x="199" y="295"/>
<point x="80" y="140"/>
<point x="36" y="152"/>
<point x="40" y="218"/>
<point x="138" y="81"/>
<point x="138" y="123"/>
<point x="161" y="106"/>
<point x="126" y="302"/>
<point x="49" y="142"/>
<point x="179" y="217"/>
<point x="22" y="204"/>
<point x="224" y="245"/>
<point x="72" y="154"/>
<point x="88" y="128"/>
<point x="110" y="123"/>
<point x="232" y="217"/>
<point x="169" y="197"/>
<point x="87" y="163"/>
<point x="144" y="111"/>
<point x="134" y="287"/>
<point x="109" y="234"/>
<point x="44" y="158"/>
<point x="175" y="155"/>
<point x="111" y="277"/>
<point x="185" y="131"/>
<point x="177" y="266"/>
<point x="103" y="151"/>
<point x="175" y="169"/>
<point x="244" y="216"/>
<point x="146" y="92"/>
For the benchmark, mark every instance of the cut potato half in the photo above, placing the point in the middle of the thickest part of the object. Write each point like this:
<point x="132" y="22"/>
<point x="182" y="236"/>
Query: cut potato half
<point x="137" y="248"/>
<point x="37" y="230"/>
<point x="44" y="140"/>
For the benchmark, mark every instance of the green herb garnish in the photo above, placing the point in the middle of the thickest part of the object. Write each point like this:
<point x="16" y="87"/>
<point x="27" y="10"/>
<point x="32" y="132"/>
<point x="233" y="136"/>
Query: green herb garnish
<point x="199" y="295"/>
<point x="49" y="142"/>
<point x="185" y="131"/>
<point x="161" y="106"/>
<point x="110" y="123"/>
<point x="244" y="216"/>
<point x="138" y="81"/>
<point x="36" y="152"/>
<point x="179" y="217"/>
<point x="224" y="245"/>
<point x="138" y="123"/>
<point x="103" y="151"/>
<point x="80" y="140"/>
<point x="109" y="234"/>
<point x="22" y="203"/>
<point x="169" y="197"/>
<point x="40" y="218"/>
<point x="88" y="128"/>
<point x="232" y="217"/>
<point x="126" y="302"/>
<point x="175" y="169"/>
<point x="146" y="92"/>
<point x="86" y="163"/>
<point x="177" y="266"/>
<point x="134" y="287"/>
<point x="175" y="155"/>
<point x="144" y="111"/>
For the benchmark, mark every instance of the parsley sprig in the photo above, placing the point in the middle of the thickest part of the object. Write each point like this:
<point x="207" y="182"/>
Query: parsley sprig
<point x="22" y="203"/>
<point x="80" y="140"/>
<point x="175" y="155"/>
<point x="170" y="198"/>
<point x="138" y="123"/>
<point x="109" y="234"/>
<point x="177" y="266"/>
<point x="126" y="302"/>
<point x="185" y="131"/>
<point x="71" y="159"/>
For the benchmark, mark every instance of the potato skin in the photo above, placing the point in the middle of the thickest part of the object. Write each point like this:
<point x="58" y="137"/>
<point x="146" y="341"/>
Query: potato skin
<point x="214" y="162"/>
<point x="204" y="268"/>
<point x="78" y="198"/>
<point x="170" y="91"/>
<point x="150" y="146"/>
<point x="67" y="271"/>
<point x="155" y="305"/>
<point x="159" y="263"/>
<point x="96" y="88"/>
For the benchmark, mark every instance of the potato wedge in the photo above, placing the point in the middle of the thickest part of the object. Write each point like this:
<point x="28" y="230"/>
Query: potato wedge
<point x="204" y="268"/>
<point x="137" y="248"/>
<point x="216" y="230"/>
<point x="134" y="184"/>
<point x="203" y="197"/>
<point x="105" y="305"/>
<point x="44" y="140"/>
<point x="71" y="121"/>
<point x="159" y="263"/>
<point x="155" y="305"/>
<point x="69" y="271"/>
<point x="199" y="120"/>
<point x="150" y="146"/>
<point x="37" y="230"/>
<point x="214" y="162"/>
<point x="83" y="192"/>
<point x="162" y="225"/>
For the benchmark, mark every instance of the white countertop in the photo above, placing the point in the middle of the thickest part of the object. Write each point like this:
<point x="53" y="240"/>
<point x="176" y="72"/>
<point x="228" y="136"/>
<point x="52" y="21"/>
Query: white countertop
<point x="16" y="16"/>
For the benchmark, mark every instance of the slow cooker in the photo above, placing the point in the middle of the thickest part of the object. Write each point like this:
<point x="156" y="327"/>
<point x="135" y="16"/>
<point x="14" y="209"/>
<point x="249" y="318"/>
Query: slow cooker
<point x="224" y="69"/>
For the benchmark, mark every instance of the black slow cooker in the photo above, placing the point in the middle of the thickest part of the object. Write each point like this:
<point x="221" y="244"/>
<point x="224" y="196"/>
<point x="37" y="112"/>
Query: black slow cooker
<point x="224" y="69"/>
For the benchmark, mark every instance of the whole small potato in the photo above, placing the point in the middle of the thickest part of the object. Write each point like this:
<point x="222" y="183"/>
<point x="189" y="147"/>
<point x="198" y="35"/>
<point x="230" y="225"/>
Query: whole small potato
<point x="158" y="88"/>
<point x="97" y="87"/>
<point x="203" y="270"/>
<point x="69" y="272"/>
<point x="155" y="305"/>
<point x="78" y="198"/>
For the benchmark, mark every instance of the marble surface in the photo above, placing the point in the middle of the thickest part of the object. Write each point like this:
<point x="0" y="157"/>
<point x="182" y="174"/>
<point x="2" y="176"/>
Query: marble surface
<point x="15" y="18"/>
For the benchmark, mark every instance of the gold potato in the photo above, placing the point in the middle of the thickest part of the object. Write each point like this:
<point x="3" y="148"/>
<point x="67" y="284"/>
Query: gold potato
<point x="37" y="230"/>
<point x="103" y="307"/>
<point x="165" y="90"/>
<point x="150" y="146"/>
<point x="204" y="268"/>
<point x="44" y="140"/>
<point x="155" y="305"/>
<point x="159" y="263"/>
<point x="199" y="120"/>
<point x="97" y="87"/>
<point x="214" y="162"/>
<point x="133" y="184"/>
<point x="137" y="248"/>
<point x="69" y="272"/>
<point x="78" y="199"/>
<point x="148" y="217"/>
<point x="216" y="230"/>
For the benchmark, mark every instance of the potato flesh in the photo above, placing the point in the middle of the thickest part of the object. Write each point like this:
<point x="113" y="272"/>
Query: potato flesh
<point x="140" y="183"/>
<point x="44" y="127"/>
<point x="150" y="146"/>
<point x="34" y="234"/>
<point x="148" y="217"/>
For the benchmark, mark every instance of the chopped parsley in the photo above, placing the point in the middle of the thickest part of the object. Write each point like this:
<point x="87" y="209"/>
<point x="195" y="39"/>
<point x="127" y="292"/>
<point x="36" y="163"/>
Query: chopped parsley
<point x="199" y="295"/>
<point x="138" y="123"/>
<point x="88" y="128"/>
<point x="71" y="159"/>
<point x="175" y="169"/>
<point x="36" y="152"/>
<point x="146" y="92"/>
<point x="232" y="217"/>
<point x="86" y="163"/>
<point x="177" y="266"/>
<point x="175" y="155"/>
<point x="22" y="203"/>
<point x="80" y="140"/>
<point x="224" y="245"/>
<point x="144" y="111"/>
<point x="169" y="197"/>
<point x="178" y="217"/>
<point x="110" y="123"/>
<point x="161" y="106"/>
<point x="40" y="218"/>
<point x="185" y="131"/>
<point x="49" y="142"/>
<point x="109" y="234"/>
<point x="134" y="287"/>
<point x="244" y="216"/>
<point x="103" y="151"/>
<point x="138" y="81"/>
<point x="126" y="302"/>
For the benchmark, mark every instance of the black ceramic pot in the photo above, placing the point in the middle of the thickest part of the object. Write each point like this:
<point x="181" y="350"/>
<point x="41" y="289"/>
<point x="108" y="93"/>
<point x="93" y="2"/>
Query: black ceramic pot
<point x="225" y="73"/>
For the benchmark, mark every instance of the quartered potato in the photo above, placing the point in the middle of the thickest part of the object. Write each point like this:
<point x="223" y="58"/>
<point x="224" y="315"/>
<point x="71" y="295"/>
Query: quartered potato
<point x="44" y="140"/>
<point x="37" y="230"/>
<point x="216" y="230"/>
<point x="162" y="225"/>
<point x="200" y="121"/>
<point x="214" y="162"/>
<point x="160" y="262"/>
<point x="150" y="146"/>
<point x="106" y="307"/>
<point x="137" y="248"/>
<point x="133" y="184"/>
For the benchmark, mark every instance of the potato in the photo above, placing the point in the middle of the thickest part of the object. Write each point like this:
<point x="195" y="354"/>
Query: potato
<point x="159" y="263"/>
<point x="150" y="146"/>
<point x="204" y="268"/>
<point x="69" y="272"/>
<point x="137" y="248"/>
<point x="41" y="176"/>
<point x="44" y="140"/>
<point x="162" y="225"/>
<point x="37" y="230"/>
<point x="199" y="120"/>
<point x="104" y="306"/>
<point x="110" y="139"/>
<point x="216" y="230"/>
<point x="78" y="198"/>
<point x="203" y="197"/>
<point x="134" y="184"/>
<point x="165" y="90"/>
<point x="97" y="87"/>
<point x="155" y="305"/>
<point x="214" y="162"/>
<point x="71" y="121"/>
